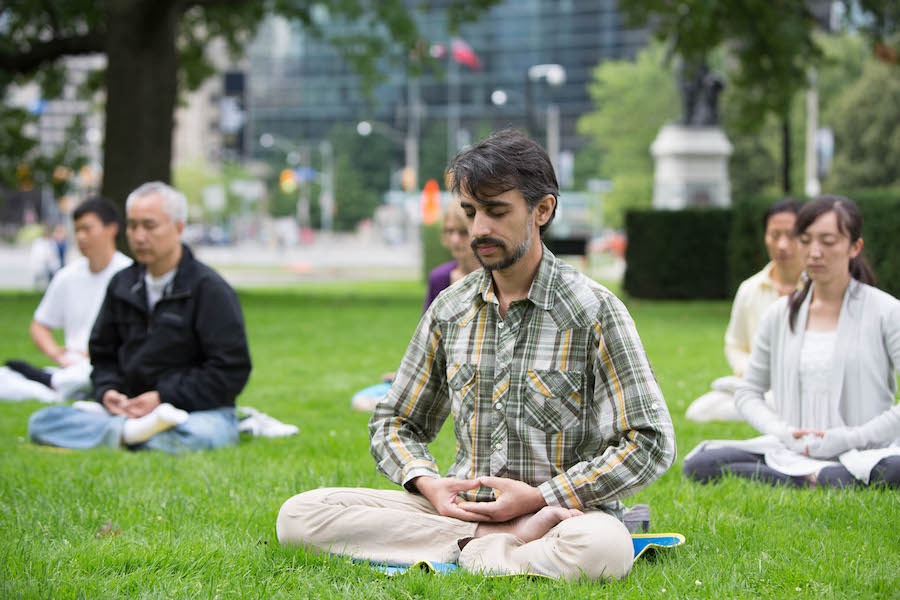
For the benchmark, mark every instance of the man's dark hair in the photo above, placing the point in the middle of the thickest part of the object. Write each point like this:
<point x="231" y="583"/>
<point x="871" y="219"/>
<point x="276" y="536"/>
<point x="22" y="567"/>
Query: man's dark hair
<point x="786" y="204"/>
<point x="105" y="210"/>
<point x="505" y="160"/>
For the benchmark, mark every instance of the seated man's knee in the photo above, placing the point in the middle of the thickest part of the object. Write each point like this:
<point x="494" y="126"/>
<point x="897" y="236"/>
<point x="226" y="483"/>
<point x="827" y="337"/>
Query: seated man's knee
<point x="45" y="419"/>
<point x="211" y="429"/>
<point x="599" y="545"/>
<point x="296" y="523"/>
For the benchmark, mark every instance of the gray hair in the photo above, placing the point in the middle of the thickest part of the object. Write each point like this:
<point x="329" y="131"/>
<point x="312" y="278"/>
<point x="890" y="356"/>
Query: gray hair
<point x="174" y="202"/>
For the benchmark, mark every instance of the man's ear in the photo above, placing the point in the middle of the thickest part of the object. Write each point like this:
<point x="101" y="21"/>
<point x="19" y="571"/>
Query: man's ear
<point x="179" y="225"/>
<point x="544" y="210"/>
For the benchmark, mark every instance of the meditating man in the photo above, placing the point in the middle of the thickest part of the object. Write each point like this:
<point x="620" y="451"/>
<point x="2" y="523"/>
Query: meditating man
<point x="556" y="411"/>
<point x="169" y="349"/>
<point x="70" y="303"/>
<point x="778" y="278"/>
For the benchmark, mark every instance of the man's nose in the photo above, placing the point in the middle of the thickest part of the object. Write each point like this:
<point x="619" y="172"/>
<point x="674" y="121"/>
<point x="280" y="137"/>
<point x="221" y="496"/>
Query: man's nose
<point x="480" y="226"/>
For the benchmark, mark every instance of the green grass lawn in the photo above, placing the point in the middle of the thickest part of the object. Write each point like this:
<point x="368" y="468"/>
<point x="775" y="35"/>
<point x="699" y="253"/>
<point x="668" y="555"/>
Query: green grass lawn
<point x="202" y="525"/>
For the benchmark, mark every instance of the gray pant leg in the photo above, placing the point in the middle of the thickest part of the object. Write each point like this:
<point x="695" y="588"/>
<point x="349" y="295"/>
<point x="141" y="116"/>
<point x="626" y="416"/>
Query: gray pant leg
<point x="708" y="465"/>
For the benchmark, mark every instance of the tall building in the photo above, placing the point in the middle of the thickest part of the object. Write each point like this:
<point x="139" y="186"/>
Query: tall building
<point x="299" y="88"/>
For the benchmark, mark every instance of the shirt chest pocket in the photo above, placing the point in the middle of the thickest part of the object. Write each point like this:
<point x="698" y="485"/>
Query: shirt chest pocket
<point x="552" y="399"/>
<point x="463" y="383"/>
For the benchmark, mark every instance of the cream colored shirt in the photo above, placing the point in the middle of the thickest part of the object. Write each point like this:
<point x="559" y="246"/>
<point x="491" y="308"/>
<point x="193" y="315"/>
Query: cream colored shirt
<point x="753" y="297"/>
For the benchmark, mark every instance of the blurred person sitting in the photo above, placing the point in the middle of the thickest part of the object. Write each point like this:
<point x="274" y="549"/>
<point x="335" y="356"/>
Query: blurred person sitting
<point x="778" y="278"/>
<point x="169" y="348"/>
<point x="454" y="237"/>
<point x="43" y="258"/>
<point x="71" y="303"/>
<point x="830" y="354"/>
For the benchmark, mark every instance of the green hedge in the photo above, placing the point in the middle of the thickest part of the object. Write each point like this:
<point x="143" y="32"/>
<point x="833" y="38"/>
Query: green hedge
<point x="881" y="235"/>
<point x="677" y="254"/>
<point x="700" y="253"/>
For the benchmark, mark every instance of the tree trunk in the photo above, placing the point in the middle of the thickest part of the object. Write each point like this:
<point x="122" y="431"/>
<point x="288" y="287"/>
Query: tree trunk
<point x="786" y="154"/>
<point x="141" y="88"/>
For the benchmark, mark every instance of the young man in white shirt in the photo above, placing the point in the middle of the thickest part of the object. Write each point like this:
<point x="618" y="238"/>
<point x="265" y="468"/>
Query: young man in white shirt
<point x="71" y="303"/>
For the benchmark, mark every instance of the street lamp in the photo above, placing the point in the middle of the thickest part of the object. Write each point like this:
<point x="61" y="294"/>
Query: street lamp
<point x="555" y="76"/>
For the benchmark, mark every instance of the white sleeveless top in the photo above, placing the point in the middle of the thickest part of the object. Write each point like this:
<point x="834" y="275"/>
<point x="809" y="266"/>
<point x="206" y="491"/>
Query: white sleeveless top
<point x="816" y="397"/>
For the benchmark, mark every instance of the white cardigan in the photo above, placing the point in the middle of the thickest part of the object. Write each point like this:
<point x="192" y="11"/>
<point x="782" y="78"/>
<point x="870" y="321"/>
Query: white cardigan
<point x="863" y="382"/>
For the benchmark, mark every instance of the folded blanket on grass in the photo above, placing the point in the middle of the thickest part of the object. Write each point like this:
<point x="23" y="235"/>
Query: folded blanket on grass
<point x="643" y="542"/>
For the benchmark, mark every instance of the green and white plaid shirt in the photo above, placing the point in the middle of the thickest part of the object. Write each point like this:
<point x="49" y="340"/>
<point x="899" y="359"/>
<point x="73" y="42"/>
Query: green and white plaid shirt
<point x="559" y="394"/>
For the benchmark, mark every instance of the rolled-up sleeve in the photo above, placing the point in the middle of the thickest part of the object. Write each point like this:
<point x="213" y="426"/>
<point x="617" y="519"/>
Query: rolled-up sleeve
<point x="416" y="406"/>
<point x="639" y="440"/>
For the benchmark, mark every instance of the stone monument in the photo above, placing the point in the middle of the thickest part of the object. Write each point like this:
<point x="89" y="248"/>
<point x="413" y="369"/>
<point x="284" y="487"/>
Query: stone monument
<point x="691" y="157"/>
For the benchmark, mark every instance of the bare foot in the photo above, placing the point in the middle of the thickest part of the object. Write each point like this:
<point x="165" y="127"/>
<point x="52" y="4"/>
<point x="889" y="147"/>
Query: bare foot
<point x="530" y="527"/>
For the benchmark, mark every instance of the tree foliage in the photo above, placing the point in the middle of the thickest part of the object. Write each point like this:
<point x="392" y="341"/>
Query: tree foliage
<point x="866" y="121"/>
<point x="155" y="48"/>
<point x="632" y="101"/>
<point x="773" y="43"/>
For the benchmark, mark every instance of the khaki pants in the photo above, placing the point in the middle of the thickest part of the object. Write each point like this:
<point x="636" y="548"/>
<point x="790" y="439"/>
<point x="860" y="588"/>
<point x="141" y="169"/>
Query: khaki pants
<point x="402" y="528"/>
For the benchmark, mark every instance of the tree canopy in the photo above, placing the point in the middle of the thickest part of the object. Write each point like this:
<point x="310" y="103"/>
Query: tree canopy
<point x="155" y="48"/>
<point x="773" y="42"/>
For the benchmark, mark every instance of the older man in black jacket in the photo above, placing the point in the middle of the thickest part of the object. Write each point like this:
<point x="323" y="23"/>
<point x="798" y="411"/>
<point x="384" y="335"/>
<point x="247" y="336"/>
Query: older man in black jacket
<point x="169" y="348"/>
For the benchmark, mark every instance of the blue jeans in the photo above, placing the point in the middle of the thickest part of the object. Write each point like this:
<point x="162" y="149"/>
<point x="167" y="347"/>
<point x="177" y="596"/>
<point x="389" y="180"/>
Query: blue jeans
<point x="68" y="427"/>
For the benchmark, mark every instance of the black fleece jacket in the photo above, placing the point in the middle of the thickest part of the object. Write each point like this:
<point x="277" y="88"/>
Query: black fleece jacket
<point x="192" y="348"/>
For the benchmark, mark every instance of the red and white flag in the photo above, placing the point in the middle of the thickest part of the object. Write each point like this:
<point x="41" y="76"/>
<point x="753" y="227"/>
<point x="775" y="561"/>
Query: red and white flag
<point x="463" y="54"/>
<point x="460" y="51"/>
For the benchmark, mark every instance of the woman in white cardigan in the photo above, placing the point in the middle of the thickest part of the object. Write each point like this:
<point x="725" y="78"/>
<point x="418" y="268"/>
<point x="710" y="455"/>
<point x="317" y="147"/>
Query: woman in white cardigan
<point x="830" y="354"/>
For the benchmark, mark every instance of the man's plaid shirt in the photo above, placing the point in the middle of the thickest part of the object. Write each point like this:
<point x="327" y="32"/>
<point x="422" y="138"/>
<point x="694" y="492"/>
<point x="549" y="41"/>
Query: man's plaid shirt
<point x="559" y="394"/>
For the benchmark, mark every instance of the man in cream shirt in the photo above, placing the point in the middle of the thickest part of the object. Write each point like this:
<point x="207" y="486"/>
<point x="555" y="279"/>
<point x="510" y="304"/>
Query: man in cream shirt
<point x="754" y="295"/>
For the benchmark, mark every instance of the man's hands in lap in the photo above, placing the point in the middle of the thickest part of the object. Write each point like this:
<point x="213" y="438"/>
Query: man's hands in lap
<point x="514" y="498"/>
<point x="117" y="403"/>
<point x="142" y="405"/>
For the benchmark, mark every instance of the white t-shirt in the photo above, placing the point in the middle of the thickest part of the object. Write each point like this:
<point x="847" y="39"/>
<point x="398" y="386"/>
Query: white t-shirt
<point x="156" y="286"/>
<point x="74" y="297"/>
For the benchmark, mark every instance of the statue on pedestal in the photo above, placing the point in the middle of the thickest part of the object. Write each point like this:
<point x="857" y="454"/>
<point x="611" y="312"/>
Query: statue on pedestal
<point x="699" y="89"/>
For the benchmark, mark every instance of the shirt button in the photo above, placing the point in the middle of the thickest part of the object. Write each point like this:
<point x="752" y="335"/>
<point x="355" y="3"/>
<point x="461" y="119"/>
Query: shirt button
<point x="498" y="446"/>
<point x="654" y="406"/>
<point x="500" y="325"/>
<point x="499" y="406"/>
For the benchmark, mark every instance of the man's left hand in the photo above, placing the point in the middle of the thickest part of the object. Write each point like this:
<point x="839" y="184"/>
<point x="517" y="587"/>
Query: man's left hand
<point x="142" y="405"/>
<point x="513" y="499"/>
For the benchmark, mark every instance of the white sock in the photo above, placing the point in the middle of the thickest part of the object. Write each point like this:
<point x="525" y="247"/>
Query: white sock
<point x="164" y="416"/>
<point x="90" y="406"/>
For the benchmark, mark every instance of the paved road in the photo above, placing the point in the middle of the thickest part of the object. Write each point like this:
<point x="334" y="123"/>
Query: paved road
<point x="329" y="258"/>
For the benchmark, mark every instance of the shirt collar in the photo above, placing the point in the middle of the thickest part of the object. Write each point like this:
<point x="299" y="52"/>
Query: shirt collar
<point x="542" y="289"/>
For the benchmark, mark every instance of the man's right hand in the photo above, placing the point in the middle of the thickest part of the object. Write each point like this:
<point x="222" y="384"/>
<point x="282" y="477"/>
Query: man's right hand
<point x="115" y="402"/>
<point x="442" y="493"/>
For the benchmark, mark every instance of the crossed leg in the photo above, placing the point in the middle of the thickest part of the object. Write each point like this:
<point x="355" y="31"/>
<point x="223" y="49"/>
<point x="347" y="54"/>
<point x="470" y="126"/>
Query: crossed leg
<point x="401" y="528"/>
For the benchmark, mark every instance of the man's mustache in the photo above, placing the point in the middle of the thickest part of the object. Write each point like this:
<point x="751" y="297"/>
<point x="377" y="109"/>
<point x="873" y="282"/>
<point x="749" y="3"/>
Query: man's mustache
<point x="486" y="241"/>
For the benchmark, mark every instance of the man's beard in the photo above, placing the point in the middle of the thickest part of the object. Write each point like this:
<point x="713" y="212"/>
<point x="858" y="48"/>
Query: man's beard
<point x="511" y="258"/>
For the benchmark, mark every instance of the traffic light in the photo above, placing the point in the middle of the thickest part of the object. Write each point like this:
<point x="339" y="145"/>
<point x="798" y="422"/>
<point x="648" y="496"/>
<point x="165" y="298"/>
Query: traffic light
<point x="288" y="181"/>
